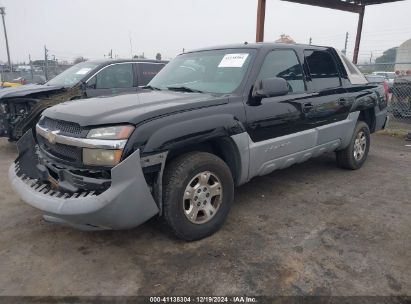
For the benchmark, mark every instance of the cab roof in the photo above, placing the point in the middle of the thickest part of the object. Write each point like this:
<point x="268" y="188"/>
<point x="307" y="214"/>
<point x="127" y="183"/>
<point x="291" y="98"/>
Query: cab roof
<point x="261" y="45"/>
<point x="110" y="61"/>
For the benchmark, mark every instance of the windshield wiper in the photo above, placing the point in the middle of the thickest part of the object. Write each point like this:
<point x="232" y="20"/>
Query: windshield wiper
<point x="151" y="88"/>
<point x="184" y="89"/>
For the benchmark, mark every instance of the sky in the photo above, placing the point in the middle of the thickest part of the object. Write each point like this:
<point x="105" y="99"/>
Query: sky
<point x="91" y="28"/>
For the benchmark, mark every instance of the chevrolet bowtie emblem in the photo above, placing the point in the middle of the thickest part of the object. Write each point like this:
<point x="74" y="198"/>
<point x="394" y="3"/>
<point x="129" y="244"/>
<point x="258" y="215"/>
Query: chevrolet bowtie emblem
<point x="51" y="136"/>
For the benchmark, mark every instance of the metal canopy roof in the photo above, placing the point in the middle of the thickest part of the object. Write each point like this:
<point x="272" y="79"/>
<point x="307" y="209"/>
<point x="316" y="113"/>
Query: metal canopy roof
<point x="354" y="6"/>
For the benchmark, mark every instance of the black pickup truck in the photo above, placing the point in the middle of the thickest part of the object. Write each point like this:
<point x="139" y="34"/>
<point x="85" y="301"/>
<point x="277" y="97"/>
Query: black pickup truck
<point x="211" y="120"/>
<point x="21" y="107"/>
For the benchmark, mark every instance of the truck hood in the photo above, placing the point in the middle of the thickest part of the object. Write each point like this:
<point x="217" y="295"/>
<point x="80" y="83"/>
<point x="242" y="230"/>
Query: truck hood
<point x="27" y="90"/>
<point x="130" y="108"/>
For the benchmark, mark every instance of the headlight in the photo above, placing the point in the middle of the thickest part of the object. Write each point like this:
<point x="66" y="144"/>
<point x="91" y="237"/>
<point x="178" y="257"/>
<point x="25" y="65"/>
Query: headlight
<point x="114" y="132"/>
<point x="106" y="157"/>
<point x="101" y="157"/>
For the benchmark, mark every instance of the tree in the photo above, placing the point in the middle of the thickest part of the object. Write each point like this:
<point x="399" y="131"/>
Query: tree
<point x="139" y="56"/>
<point x="79" y="59"/>
<point x="158" y="56"/>
<point x="285" y="39"/>
<point x="388" y="56"/>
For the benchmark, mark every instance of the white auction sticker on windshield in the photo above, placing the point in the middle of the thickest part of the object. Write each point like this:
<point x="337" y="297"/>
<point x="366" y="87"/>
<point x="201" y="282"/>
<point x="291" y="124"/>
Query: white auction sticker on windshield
<point x="83" y="71"/>
<point x="233" y="61"/>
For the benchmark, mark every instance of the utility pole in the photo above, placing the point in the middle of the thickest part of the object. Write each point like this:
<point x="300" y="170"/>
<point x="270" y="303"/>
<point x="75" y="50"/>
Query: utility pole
<point x="31" y="68"/>
<point x="311" y="41"/>
<point x="3" y="12"/>
<point x="131" y="47"/>
<point x="111" y="54"/>
<point x="259" y="36"/>
<point x="346" y="44"/>
<point x="46" y="64"/>
<point x="371" y="58"/>
<point x="55" y="64"/>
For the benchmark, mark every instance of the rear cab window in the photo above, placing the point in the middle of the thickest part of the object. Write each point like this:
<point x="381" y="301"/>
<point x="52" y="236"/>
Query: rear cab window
<point x="323" y="70"/>
<point x="147" y="71"/>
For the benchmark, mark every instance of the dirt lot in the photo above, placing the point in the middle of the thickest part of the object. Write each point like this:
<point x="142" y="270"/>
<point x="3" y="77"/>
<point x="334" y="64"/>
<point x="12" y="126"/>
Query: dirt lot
<point x="310" y="229"/>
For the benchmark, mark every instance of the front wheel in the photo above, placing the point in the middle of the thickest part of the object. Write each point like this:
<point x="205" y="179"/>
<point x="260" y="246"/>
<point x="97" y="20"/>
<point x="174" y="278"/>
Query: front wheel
<point x="354" y="156"/>
<point x="198" y="191"/>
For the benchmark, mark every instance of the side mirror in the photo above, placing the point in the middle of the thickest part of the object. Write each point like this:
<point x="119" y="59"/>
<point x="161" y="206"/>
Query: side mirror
<point x="270" y="87"/>
<point x="89" y="85"/>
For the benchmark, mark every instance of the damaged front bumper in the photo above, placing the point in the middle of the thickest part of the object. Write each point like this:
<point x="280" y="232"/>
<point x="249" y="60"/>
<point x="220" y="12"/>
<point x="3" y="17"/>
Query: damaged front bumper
<point x="125" y="204"/>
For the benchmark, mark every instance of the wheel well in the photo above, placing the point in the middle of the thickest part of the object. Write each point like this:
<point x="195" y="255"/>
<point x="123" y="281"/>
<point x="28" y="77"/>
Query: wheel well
<point x="368" y="116"/>
<point x="223" y="147"/>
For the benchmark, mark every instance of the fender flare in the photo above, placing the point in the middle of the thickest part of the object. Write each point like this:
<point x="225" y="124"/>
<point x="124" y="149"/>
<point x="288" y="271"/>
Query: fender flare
<point x="365" y="101"/>
<point x="193" y="131"/>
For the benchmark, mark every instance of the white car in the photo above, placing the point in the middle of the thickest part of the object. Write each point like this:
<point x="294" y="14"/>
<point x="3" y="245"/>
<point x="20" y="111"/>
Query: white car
<point x="389" y="76"/>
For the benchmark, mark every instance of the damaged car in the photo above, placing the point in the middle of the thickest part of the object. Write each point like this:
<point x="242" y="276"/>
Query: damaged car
<point x="21" y="107"/>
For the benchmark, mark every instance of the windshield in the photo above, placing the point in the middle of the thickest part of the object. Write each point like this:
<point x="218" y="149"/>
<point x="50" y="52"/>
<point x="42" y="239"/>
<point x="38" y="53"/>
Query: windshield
<point x="73" y="75"/>
<point x="215" y="71"/>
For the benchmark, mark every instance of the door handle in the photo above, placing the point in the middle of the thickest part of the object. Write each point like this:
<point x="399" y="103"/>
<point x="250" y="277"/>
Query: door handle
<point x="307" y="107"/>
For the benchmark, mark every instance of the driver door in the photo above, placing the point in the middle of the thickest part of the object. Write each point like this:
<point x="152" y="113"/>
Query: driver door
<point x="277" y="125"/>
<point x="280" y="115"/>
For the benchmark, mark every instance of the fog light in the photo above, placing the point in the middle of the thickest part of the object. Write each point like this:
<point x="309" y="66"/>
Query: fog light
<point x="101" y="157"/>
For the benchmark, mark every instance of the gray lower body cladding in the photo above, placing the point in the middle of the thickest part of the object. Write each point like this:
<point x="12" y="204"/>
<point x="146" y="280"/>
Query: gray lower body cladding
<point x="260" y="158"/>
<point x="125" y="204"/>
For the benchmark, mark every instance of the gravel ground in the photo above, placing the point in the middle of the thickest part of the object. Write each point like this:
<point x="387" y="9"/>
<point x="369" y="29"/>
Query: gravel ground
<point x="312" y="229"/>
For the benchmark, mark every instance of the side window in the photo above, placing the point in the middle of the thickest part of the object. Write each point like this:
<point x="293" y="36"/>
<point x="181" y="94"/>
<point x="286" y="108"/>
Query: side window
<point x="115" y="76"/>
<point x="146" y="72"/>
<point x="91" y="84"/>
<point x="284" y="64"/>
<point x="323" y="70"/>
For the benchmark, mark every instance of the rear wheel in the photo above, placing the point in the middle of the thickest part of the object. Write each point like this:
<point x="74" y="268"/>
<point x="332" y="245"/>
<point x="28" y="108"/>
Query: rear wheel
<point x="354" y="156"/>
<point x="198" y="191"/>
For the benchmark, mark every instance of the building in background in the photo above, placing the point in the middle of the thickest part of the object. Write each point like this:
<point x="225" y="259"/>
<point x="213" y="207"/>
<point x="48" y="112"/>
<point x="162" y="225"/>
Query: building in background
<point x="403" y="60"/>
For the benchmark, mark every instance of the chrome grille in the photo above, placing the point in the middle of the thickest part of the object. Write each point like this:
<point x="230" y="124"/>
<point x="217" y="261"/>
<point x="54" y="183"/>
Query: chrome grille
<point x="65" y="152"/>
<point x="62" y="126"/>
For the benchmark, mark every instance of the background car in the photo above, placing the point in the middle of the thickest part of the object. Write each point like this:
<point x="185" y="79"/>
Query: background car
<point x="379" y="79"/>
<point x="7" y="84"/>
<point x="20" y="108"/>
<point x="389" y="76"/>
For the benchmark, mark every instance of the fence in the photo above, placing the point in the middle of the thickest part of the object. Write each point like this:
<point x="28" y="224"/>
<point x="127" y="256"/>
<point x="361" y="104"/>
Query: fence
<point x="399" y="105"/>
<point x="23" y="77"/>
<point x="399" y="92"/>
<point x="37" y="75"/>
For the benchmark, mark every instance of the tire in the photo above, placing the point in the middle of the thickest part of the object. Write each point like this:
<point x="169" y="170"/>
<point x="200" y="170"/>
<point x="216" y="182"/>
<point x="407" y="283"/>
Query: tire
<point x="350" y="157"/>
<point x="183" y="179"/>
